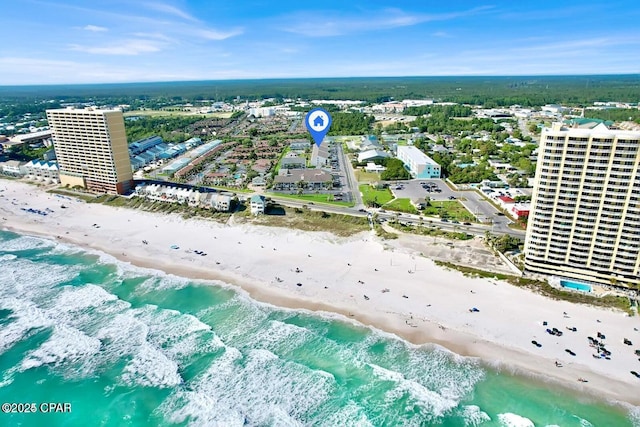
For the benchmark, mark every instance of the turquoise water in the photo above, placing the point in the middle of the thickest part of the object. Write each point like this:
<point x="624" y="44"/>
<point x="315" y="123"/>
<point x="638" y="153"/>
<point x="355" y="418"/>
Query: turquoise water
<point x="128" y="347"/>
<point x="575" y="285"/>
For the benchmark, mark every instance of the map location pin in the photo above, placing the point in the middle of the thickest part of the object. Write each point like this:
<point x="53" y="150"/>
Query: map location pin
<point x="318" y="122"/>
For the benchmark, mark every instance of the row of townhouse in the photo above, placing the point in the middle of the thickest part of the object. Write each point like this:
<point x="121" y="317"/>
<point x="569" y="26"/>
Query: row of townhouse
<point x="219" y="201"/>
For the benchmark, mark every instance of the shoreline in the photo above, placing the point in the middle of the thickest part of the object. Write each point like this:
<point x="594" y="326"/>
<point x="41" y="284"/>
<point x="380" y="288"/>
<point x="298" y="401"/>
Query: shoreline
<point x="432" y="314"/>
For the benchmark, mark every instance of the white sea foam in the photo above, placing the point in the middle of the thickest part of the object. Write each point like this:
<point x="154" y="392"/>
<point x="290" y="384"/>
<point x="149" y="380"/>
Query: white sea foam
<point x="179" y="335"/>
<point x="432" y="402"/>
<point x="64" y="345"/>
<point x="24" y="243"/>
<point x="81" y="298"/>
<point x="349" y="414"/>
<point x="7" y="257"/>
<point x="278" y="336"/>
<point x="34" y="281"/>
<point x="245" y="319"/>
<point x="474" y="416"/>
<point x="7" y="378"/>
<point x="26" y="318"/>
<point x="452" y="377"/>
<point x="583" y="422"/>
<point x="634" y="415"/>
<point x="257" y="389"/>
<point x="514" y="420"/>
<point x="150" y="367"/>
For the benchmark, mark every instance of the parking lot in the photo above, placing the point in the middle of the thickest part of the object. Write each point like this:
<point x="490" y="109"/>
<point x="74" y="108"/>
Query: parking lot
<point x="474" y="202"/>
<point x="435" y="189"/>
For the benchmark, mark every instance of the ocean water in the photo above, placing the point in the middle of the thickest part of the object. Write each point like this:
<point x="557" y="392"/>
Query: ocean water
<point x="124" y="346"/>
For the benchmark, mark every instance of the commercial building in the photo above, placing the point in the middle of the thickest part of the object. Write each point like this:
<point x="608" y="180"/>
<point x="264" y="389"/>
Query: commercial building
<point x="585" y="218"/>
<point x="371" y="155"/>
<point x="91" y="149"/>
<point x="42" y="137"/>
<point x="419" y="164"/>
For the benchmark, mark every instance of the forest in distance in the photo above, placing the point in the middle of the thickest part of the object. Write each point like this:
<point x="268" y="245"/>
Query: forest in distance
<point x="494" y="91"/>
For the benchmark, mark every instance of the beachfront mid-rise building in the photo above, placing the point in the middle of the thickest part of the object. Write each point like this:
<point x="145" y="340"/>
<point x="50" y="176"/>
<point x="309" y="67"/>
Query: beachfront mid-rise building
<point x="419" y="164"/>
<point x="585" y="219"/>
<point x="91" y="149"/>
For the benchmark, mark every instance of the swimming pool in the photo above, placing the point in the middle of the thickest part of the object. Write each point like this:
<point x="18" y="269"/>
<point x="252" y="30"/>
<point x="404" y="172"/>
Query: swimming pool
<point x="575" y="285"/>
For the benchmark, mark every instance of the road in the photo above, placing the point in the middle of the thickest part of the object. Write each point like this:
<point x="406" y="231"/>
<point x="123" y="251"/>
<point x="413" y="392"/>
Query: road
<point x="475" y="229"/>
<point x="294" y="124"/>
<point x="347" y="169"/>
<point x="481" y="207"/>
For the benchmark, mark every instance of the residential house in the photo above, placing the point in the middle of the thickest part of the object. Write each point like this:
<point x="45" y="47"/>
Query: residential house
<point x="221" y="202"/>
<point x="299" y="145"/>
<point x="293" y="162"/>
<point x="45" y="171"/>
<point x="372" y="167"/>
<point x="257" y="204"/>
<point x="12" y="168"/>
<point x="258" y="181"/>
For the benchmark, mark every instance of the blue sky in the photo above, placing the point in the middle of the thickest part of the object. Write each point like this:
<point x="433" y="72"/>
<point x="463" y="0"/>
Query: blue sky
<point x="100" y="41"/>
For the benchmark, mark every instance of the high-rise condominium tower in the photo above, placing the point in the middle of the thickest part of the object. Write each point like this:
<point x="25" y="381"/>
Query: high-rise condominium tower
<point x="91" y="148"/>
<point x="585" y="218"/>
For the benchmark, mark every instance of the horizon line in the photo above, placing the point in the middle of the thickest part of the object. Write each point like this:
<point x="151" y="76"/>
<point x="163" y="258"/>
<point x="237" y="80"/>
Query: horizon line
<point x="470" y="76"/>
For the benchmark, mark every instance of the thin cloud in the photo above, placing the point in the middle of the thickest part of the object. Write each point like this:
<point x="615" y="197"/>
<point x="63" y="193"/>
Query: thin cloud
<point x="126" y="47"/>
<point x="156" y="36"/>
<point x="553" y="14"/>
<point x="171" y="10"/>
<point x="209" y="34"/>
<point x="95" y="28"/>
<point x="327" y="24"/>
<point x="586" y="43"/>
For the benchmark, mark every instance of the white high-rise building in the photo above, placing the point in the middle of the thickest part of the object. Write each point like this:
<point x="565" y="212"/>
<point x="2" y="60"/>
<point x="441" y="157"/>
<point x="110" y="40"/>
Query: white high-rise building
<point x="91" y="149"/>
<point x="585" y="218"/>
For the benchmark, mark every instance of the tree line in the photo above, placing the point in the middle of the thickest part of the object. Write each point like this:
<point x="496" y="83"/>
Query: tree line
<point x="473" y="90"/>
<point x="169" y="128"/>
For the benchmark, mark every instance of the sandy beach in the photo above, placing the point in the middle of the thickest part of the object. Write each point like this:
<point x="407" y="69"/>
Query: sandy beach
<point x="385" y="284"/>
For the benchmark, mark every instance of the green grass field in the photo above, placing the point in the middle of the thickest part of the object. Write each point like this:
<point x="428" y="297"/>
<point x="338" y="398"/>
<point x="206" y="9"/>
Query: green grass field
<point x="370" y="194"/>
<point x="363" y="176"/>
<point x="315" y="198"/>
<point x="231" y="189"/>
<point x="451" y="209"/>
<point x="308" y="220"/>
<point x="401" y="205"/>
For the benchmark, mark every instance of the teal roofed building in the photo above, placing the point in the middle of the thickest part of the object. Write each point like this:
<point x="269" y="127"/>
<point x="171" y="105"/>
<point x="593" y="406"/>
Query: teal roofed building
<point x="586" y="123"/>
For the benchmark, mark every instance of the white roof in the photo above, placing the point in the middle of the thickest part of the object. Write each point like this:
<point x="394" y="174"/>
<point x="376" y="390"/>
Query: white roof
<point x="416" y="155"/>
<point x="371" y="153"/>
